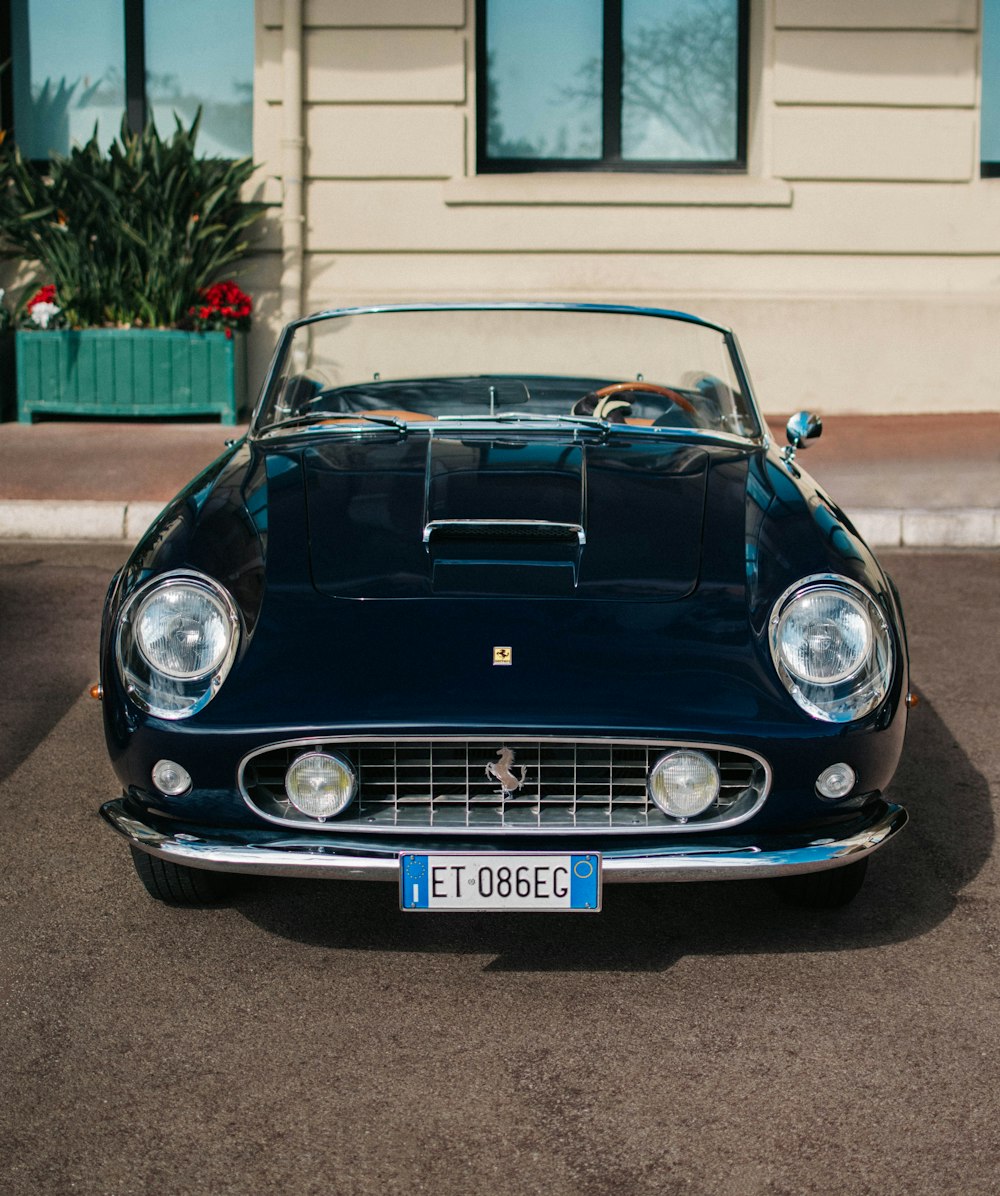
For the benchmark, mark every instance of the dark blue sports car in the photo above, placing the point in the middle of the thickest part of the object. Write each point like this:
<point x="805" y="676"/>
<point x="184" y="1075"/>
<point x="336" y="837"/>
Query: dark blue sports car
<point x="500" y="604"/>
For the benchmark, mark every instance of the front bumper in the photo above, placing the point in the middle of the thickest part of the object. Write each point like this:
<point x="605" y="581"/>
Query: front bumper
<point x="671" y="861"/>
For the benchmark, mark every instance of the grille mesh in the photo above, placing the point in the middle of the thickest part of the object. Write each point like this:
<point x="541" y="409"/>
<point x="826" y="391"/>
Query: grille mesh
<point x="442" y="785"/>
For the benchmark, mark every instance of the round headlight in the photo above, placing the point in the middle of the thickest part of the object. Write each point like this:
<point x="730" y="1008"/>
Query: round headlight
<point x="176" y="640"/>
<point x="183" y="630"/>
<point x="319" y="785"/>
<point x="684" y="784"/>
<point x="832" y="647"/>
<point x="824" y="636"/>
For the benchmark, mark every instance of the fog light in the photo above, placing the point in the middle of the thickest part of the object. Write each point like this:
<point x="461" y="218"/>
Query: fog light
<point x="319" y="785"/>
<point x="170" y="778"/>
<point x="835" y="782"/>
<point x="684" y="784"/>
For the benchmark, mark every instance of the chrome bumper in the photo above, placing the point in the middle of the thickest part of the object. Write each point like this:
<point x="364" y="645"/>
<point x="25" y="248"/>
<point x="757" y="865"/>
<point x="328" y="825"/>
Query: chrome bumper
<point x="671" y="863"/>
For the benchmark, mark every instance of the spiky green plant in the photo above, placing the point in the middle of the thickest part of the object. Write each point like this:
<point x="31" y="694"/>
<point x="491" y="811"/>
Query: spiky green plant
<point x="128" y="235"/>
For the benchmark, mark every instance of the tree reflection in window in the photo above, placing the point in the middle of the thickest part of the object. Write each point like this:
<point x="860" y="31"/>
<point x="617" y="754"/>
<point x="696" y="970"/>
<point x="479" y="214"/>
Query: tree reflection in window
<point x="611" y="83"/>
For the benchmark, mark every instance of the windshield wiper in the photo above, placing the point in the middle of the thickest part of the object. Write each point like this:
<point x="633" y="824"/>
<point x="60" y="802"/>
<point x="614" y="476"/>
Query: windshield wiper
<point x="320" y="418"/>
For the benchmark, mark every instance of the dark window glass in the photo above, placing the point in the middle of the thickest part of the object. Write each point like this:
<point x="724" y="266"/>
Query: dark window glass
<point x="611" y="84"/>
<point x="81" y="64"/>
<point x="990" y="124"/>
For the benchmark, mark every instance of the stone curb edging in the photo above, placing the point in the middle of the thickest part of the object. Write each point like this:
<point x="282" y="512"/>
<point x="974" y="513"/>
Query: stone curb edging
<point x="49" y="519"/>
<point x="965" y="527"/>
<point x="24" y="519"/>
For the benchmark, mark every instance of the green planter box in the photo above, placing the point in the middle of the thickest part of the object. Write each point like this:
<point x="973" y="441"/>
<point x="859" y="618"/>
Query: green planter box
<point x="125" y="372"/>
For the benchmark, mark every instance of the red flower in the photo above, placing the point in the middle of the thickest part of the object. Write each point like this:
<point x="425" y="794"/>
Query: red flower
<point x="46" y="294"/>
<point x="223" y="306"/>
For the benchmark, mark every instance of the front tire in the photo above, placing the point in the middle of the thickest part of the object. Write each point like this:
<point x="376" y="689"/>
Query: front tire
<point x="830" y="889"/>
<point x="176" y="884"/>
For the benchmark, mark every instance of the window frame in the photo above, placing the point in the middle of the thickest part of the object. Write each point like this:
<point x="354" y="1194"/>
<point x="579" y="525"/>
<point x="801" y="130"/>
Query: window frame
<point x="611" y="159"/>
<point x="137" y="105"/>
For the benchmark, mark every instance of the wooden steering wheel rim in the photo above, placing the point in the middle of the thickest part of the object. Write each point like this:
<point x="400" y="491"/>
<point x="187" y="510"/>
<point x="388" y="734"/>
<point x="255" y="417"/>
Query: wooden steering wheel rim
<point x="617" y="388"/>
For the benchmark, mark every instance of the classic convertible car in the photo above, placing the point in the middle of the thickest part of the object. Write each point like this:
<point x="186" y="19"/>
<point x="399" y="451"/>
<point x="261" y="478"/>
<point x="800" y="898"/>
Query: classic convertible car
<point x="500" y="604"/>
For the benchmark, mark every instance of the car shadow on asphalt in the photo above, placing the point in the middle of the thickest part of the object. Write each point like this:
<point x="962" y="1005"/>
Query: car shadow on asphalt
<point x="50" y="620"/>
<point x="912" y="886"/>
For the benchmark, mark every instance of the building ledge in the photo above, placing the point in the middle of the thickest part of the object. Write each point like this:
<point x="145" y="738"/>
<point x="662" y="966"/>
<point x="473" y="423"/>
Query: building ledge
<point x="549" y="189"/>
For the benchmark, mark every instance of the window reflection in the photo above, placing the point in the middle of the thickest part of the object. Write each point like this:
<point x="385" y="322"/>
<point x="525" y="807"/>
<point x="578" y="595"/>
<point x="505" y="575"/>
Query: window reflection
<point x="679" y="79"/>
<point x="538" y="51"/>
<point x="68" y="72"/>
<point x="213" y="71"/>
<point x="614" y="82"/>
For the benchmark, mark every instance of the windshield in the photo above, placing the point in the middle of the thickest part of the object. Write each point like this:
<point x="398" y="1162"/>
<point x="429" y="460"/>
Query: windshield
<point x="586" y="366"/>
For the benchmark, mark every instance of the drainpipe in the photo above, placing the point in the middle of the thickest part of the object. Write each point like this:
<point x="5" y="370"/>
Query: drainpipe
<point x="292" y="163"/>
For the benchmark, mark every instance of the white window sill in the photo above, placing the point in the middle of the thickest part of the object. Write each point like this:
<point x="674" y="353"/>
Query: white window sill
<point x="553" y="189"/>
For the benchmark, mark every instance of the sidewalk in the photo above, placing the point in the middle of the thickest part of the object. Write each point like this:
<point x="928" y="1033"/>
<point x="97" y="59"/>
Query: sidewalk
<point x="920" y="481"/>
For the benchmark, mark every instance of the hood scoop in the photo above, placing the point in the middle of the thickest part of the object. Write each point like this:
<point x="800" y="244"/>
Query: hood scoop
<point x="492" y="556"/>
<point x="535" y="516"/>
<point x="505" y="517"/>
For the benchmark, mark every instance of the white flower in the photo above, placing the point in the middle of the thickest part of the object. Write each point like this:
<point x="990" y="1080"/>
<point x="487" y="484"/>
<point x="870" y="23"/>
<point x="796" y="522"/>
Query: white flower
<point x="41" y="313"/>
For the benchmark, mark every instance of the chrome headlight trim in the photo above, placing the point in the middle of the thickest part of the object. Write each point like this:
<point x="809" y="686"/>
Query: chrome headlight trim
<point x="159" y="693"/>
<point x="855" y="692"/>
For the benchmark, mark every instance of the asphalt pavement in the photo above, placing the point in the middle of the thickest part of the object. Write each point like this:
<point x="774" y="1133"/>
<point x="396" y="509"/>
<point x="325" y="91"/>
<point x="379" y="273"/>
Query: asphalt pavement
<point x="920" y="481"/>
<point x="311" y="1038"/>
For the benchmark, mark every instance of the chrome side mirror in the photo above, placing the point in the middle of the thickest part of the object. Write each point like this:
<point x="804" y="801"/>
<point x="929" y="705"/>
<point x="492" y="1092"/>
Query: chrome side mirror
<point x="802" y="427"/>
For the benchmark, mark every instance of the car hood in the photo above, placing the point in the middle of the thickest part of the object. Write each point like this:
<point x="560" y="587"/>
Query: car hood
<point x="661" y="621"/>
<point x="520" y="516"/>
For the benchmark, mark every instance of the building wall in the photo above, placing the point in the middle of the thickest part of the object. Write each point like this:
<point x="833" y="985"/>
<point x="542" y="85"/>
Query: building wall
<point x="858" y="258"/>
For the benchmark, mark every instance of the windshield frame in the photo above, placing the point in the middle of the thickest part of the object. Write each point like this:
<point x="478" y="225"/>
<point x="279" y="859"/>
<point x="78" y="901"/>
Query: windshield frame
<point x="257" y="431"/>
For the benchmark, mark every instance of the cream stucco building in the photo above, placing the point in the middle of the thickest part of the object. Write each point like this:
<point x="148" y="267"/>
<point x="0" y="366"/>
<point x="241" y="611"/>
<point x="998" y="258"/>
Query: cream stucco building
<point x="857" y="254"/>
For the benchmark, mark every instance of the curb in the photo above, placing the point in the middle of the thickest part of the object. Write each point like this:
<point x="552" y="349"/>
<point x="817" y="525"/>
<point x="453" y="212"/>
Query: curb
<point x="964" y="527"/>
<point x="23" y="519"/>
<point x="47" y="519"/>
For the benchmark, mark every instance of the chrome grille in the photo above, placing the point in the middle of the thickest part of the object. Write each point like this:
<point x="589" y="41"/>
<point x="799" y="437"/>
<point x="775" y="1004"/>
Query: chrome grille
<point x="442" y="785"/>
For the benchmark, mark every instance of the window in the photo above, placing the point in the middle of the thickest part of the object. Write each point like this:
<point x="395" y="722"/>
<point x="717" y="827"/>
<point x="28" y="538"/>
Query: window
<point x="990" y="115"/>
<point x="611" y="84"/>
<point x="76" y="66"/>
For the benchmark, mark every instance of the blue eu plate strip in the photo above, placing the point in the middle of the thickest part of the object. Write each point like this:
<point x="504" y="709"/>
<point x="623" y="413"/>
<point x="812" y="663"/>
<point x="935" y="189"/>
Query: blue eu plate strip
<point x="414" y="882"/>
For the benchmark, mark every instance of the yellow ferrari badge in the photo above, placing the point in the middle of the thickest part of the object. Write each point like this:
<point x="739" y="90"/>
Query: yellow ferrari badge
<point x="503" y="655"/>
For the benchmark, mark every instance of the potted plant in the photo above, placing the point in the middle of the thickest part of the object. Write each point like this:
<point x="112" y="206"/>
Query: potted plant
<point x="133" y="244"/>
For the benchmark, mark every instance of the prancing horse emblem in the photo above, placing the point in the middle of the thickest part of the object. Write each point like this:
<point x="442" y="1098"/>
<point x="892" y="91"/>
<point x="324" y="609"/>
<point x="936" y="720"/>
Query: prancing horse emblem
<point x="504" y="773"/>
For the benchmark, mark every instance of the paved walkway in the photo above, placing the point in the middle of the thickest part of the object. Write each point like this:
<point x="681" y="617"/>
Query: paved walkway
<point x="927" y="481"/>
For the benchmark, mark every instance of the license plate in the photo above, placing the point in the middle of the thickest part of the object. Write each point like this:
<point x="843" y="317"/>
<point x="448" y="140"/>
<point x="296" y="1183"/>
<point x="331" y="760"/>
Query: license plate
<point x="528" y="880"/>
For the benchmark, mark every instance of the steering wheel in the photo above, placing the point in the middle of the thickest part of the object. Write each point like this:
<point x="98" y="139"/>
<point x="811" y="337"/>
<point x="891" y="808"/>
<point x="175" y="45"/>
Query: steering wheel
<point x="617" y="388"/>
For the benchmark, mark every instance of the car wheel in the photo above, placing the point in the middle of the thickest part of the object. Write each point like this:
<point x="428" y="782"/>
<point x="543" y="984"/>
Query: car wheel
<point x="823" y="890"/>
<point x="177" y="885"/>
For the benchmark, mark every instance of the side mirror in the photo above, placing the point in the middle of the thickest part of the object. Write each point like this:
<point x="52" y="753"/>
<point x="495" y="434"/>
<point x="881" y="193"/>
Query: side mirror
<point x="803" y="426"/>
